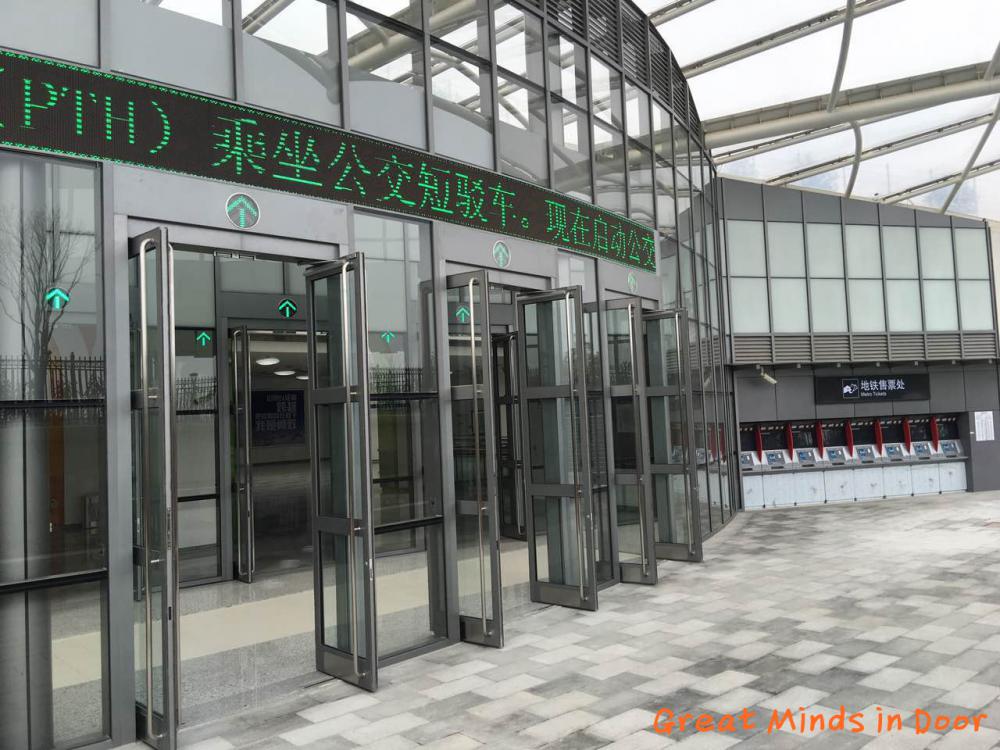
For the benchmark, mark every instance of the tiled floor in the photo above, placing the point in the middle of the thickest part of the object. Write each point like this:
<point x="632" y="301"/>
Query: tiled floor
<point x="894" y="604"/>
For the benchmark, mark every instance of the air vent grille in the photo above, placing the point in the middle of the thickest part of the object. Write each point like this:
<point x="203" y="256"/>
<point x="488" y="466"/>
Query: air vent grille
<point x="906" y="346"/>
<point x="570" y="14"/>
<point x="603" y="24"/>
<point x="634" y="54"/>
<point x="750" y="350"/>
<point x="944" y="346"/>
<point x="659" y="61"/>
<point x="831" y="348"/>
<point x="791" y="348"/>
<point x="870" y="347"/>
<point x="979" y="345"/>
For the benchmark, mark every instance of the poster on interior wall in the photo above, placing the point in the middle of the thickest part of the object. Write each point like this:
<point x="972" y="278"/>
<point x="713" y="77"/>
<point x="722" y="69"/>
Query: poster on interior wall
<point x="873" y="388"/>
<point x="279" y="417"/>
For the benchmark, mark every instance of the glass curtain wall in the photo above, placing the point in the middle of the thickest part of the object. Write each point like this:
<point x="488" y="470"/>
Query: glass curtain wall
<point x="53" y="535"/>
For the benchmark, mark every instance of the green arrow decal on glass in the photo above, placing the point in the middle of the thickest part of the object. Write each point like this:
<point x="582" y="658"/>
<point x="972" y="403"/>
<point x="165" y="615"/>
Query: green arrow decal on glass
<point x="387" y="336"/>
<point x="287" y="308"/>
<point x="57" y="298"/>
<point x="463" y="314"/>
<point x="203" y="338"/>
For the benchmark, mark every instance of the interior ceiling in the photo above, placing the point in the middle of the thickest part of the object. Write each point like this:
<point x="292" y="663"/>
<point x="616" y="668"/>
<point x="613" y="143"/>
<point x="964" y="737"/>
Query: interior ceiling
<point x="889" y="100"/>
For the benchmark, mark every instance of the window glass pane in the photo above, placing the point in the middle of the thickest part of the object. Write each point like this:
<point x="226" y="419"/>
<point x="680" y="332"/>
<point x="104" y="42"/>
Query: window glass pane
<point x="519" y="42"/>
<point x="666" y="208"/>
<point x="785" y="250"/>
<point x="463" y="117"/>
<point x="749" y="305"/>
<point x="398" y="273"/>
<point x="292" y="59"/>
<point x="903" y="303"/>
<point x="935" y="253"/>
<point x="570" y="151"/>
<point x="462" y="23"/>
<point x="663" y="140"/>
<point x="864" y="258"/>
<point x="68" y="648"/>
<point x="789" y="299"/>
<point x="607" y="92"/>
<point x="826" y="254"/>
<point x="609" y="161"/>
<point x="213" y="11"/>
<point x="940" y="312"/>
<point x="899" y="245"/>
<point x="521" y="131"/>
<point x="829" y="306"/>
<point x="568" y="70"/>
<point x="237" y="275"/>
<point x="971" y="254"/>
<point x="194" y="280"/>
<point x="404" y="11"/>
<point x="637" y="114"/>
<point x="976" y="305"/>
<point x="746" y="248"/>
<point x="49" y="349"/>
<point x="867" y="309"/>
<point x="386" y="70"/>
<point x="640" y="184"/>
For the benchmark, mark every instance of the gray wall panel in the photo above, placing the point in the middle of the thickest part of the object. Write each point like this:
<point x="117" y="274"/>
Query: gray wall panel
<point x="896" y="215"/>
<point x="756" y="399"/>
<point x="782" y="204"/>
<point x="947" y="389"/>
<point x="981" y="388"/>
<point x="821" y="208"/>
<point x="743" y="200"/>
<point x="984" y="464"/>
<point x="832" y="411"/>
<point x="860" y="212"/>
<point x="795" y="398"/>
<point x="66" y="29"/>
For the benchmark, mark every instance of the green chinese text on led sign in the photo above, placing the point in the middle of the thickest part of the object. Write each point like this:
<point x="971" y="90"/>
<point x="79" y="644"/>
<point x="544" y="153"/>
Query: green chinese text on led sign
<point x="65" y="109"/>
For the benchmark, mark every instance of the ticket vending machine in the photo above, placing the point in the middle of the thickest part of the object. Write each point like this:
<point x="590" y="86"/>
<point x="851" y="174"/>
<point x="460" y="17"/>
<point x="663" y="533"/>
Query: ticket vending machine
<point x="896" y="472"/>
<point x="751" y="467"/>
<point x="808" y="461"/>
<point x="950" y="455"/>
<point x="868" y="477"/>
<point x="925" y="475"/>
<point x="778" y="479"/>
<point x="838" y="479"/>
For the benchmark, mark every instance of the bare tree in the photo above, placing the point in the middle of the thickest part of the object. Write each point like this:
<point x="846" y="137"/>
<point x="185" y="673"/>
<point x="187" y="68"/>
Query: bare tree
<point x="38" y="251"/>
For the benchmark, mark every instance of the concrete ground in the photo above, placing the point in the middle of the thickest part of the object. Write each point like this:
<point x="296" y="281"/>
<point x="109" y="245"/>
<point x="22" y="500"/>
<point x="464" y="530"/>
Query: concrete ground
<point x="885" y="608"/>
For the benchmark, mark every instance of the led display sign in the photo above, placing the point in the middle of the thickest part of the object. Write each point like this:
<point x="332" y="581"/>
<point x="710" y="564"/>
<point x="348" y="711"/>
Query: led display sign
<point x="65" y="109"/>
<point x="869" y="388"/>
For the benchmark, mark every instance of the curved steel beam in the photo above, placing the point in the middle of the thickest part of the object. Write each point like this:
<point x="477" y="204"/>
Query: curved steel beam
<point x="845" y="48"/>
<point x="780" y="37"/>
<point x="857" y="160"/>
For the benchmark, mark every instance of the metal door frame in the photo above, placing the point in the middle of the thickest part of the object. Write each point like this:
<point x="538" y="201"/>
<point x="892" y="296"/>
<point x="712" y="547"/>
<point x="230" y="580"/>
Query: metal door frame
<point x="328" y="659"/>
<point x="510" y="403"/>
<point x="164" y="736"/>
<point x="481" y="630"/>
<point x="645" y="570"/>
<point x="692" y="551"/>
<point x="242" y="493"/>
<point x="584" y="594"/>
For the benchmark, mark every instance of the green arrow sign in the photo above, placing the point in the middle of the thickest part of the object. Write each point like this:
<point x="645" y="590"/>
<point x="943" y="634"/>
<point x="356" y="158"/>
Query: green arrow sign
<point x="203" y="338"/>
<point x="287" y="308"/>
<point x="242" y="210"/>
<point x="463" y="314"/>
<point x="57" y="298"/>
<point x="501" y="254"/>
<point x="387" y="336"/>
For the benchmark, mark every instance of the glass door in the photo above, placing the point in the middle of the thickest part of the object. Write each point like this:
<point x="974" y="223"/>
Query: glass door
<point x="154" y="495"/>
<point x="477" y="517"/>
<point x="242" y="432"/>
<point x="510" y="491"/>
<point x="630" y="469"/>
<point x="554" y="425"/>
<point x="343" y="539"/>
<point x="673" y="475"/>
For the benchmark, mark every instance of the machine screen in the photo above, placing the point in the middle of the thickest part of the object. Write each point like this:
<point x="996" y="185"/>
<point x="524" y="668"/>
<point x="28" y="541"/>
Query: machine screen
<point x="775" y="458"/>
<point x="806" y="457"/>
<point x="923" y="450"/>
<point x="866" y="454"/>
<point x="894" y="452"/>
<point x="746" y="460"/>
<point x="837" y="455"/>
<point x="949" y="448"/>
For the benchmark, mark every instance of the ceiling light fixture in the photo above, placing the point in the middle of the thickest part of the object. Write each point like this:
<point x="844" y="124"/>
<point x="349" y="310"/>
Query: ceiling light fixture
<point x="284" y="373"/>
<point x="268" y="361"/>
